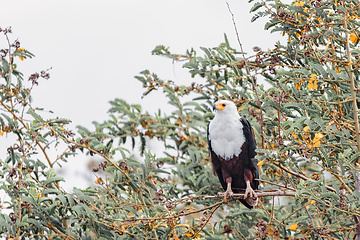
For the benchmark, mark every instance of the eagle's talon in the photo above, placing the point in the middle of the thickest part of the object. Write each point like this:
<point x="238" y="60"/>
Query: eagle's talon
<point x="225" y="195"/>
<point x="228" y="194"/>
<point x="249" y="192"/>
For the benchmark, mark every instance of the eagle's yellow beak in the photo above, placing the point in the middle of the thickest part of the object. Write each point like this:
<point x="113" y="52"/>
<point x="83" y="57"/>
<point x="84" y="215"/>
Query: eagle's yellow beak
<point x="219" y="106"/>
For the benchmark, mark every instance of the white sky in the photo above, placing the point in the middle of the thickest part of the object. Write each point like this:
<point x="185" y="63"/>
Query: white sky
<point x="96" y="47"/>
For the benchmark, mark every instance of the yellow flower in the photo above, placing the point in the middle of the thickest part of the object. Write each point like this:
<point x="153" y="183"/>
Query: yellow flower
<point x="192" y="235"/>
<point x="39" y="195"/>
<point x="293" y="226"/>
<point x="353" y="37"/>
<point x="299" y="4"/>
<point x="21" y="50"/>
<point x="1" y="133"/>
<point x="312" y="202"/>
<point x="260" y="163"/>
<point x="305" y="129"/>
<point x="312" y="86"/>
<point x="317" y="139"/>
<point x="313" y="80"/>
<point x="270" y="147"/>
<point x="294" y="135"/>
<point x="99" y="181"/>
<point x="297" y="86"/>
<point x="313" y="77"/>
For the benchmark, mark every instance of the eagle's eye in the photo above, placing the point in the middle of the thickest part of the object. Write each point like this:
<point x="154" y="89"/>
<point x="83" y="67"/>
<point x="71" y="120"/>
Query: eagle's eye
<point x="223" y="104"/>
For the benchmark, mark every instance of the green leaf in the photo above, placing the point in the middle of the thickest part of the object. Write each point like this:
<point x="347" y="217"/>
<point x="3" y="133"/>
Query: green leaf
<point x="35" y="115"/>
<point x="99" y="147"/>
<point x="320" y="122"/>
<point x="53" y="180"/>
<point x="319" y="68"/>
<point x="330" y="195"/>
<point x="257" y="6"/>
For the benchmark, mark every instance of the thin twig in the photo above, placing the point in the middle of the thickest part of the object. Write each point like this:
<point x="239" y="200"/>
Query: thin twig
<point x="275" y="184"/>
<point x="174" y="216"/>
<point x="301" y="176"/>
<point x="251" y="77"/>
<point x="312" y="222"/>
<point x="207" y="220"/>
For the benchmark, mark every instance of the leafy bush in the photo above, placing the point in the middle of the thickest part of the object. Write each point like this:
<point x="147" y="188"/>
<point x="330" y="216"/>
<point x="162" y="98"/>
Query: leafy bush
<point x="306" y="125"/>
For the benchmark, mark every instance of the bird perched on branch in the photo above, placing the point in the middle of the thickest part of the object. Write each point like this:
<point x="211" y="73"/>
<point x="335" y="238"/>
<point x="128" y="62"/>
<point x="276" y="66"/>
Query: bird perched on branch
<point x="232" y="148"/>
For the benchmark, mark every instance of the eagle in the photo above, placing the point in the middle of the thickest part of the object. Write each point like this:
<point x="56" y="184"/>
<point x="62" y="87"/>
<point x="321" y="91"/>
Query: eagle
<point x="232" y="150"/>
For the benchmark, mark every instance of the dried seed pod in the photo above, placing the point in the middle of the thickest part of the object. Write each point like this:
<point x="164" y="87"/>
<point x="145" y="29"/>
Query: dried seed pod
<point x="169" y="205"/>
<point x="124" y="165"/>
<point x="159" y="195"/>
<point x="261" y="231"/>
<point x="241" y="64"/>
<point x="227" y="229"/>
<point x="12" y="173"/>
<point x="12" y="217"/>
<point x="256" y="49"/>
<point x="342" y="202"/>
<point x="25" y="204"/>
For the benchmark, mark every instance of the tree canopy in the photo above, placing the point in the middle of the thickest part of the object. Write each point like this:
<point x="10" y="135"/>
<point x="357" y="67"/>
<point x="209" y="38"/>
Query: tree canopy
<point x="305" y="121"/>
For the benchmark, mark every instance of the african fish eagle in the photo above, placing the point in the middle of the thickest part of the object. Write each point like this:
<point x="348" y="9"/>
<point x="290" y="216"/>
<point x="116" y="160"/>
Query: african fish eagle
<point x="232" y="150"/>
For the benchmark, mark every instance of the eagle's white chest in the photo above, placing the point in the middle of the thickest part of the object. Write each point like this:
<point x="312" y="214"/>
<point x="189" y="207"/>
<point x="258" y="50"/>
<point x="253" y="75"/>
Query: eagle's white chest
<point x="226" y="136"/>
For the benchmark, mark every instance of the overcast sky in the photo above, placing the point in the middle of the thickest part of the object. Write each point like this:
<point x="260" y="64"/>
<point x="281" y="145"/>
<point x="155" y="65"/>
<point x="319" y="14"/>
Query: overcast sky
<point x="95" y="48"/>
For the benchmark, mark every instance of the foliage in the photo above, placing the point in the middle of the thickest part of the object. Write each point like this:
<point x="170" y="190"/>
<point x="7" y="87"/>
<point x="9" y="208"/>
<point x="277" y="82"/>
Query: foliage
<point x="306" y="126"/>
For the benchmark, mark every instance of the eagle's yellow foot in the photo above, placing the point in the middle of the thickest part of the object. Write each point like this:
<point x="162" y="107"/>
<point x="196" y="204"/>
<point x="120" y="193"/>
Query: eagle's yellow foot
<point x="249" y="192"/>
<point x="228" y="193"/>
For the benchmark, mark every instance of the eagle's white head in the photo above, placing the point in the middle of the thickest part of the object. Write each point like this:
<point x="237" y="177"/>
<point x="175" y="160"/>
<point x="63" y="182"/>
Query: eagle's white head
<point x="225" y="107"/>
<point x="225" y="130"/>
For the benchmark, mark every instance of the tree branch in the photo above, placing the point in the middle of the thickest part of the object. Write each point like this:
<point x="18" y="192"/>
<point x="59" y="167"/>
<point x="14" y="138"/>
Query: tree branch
<point x="301" y="176"/>
<point x="262" y="194"/>
<point x="282" y="186"/>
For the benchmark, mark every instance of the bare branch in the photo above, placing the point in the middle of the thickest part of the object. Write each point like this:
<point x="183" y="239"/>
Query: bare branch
<point x="263" y="194"/>
<point x="301" y="176"/>
<point x="282" y="186"/>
